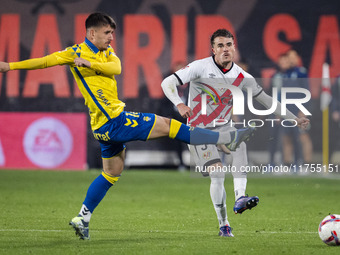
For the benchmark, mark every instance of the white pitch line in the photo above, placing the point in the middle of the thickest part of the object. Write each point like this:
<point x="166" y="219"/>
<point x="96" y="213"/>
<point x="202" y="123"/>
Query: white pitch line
<point x="163" y="231"/>
<point x="38" y="230"/>
<point x="284" y="232"/>
<point x="31" y="230"/>
<point x="238" y="232"/>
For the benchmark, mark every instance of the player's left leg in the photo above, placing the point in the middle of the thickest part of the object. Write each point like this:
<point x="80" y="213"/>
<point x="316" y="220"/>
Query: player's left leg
<point x="132" y="126"/>
<point x="239" y="161"/>
<point x="113" y="165"/>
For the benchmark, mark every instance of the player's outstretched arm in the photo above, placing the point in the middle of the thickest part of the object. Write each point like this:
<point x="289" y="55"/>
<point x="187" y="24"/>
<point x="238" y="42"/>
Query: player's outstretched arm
<point x="4" y="67"/>
<point x="266" y="101"/>
<point x="34" y="63"/>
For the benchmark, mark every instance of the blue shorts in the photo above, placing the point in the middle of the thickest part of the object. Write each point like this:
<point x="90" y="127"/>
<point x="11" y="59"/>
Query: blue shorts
<point x="126" y="127"/>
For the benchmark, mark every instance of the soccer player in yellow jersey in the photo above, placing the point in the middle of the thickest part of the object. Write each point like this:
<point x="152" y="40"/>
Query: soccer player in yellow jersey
<point x="94" y="65"/>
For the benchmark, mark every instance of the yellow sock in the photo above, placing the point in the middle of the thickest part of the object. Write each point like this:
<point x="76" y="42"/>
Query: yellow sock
<point x="175" y="126"/>
<point x="110" y="178"/>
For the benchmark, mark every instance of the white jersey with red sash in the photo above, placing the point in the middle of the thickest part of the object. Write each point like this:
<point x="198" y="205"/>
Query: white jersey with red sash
<point x="206" y="77"/>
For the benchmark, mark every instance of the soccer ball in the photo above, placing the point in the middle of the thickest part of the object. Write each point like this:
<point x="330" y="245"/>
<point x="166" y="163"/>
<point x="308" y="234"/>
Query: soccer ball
<point x="329" y="229"/>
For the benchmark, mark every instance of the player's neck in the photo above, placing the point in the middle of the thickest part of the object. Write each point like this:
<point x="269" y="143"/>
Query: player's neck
<point x="225" y="67"/>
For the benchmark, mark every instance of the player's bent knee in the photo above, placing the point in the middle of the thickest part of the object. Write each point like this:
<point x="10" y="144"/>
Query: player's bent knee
<point x="114" y="166"/>
<point x="216" y="171"/>
<point x="114" y="171"/>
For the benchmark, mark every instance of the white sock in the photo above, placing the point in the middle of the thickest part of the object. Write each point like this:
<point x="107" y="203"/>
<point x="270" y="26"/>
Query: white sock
<point x="85" y="213"/>
<point x="224" y="138"/>
<point x="240" y="178"/>
<point x="240" y="185"/>
<point x="218" y="198"/>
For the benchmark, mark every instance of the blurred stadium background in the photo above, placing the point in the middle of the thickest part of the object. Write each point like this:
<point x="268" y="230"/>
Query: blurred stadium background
<point x="43" y="121"/>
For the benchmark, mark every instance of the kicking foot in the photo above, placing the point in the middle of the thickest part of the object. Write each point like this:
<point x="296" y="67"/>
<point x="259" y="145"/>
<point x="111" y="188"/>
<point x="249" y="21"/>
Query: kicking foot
<point x="240" y="135"/>
<point x="244" y="203"/>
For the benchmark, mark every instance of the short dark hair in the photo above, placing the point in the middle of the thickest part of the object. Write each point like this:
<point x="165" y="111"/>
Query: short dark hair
<point x="220" y="32"/>
<point x="99" y="19"/>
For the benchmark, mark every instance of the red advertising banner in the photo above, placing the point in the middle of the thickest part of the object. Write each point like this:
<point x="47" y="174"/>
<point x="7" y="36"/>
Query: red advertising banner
<point x="43" y="141"/>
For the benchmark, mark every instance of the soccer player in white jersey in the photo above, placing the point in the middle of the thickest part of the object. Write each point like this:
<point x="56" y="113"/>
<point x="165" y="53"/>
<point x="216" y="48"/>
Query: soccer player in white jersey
<point x="209" y="73"/>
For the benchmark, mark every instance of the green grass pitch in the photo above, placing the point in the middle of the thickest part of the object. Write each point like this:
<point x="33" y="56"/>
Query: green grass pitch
<point x="162" y="212"/>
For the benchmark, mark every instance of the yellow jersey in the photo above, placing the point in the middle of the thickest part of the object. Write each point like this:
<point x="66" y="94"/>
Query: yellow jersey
<point x="97" y="83"/>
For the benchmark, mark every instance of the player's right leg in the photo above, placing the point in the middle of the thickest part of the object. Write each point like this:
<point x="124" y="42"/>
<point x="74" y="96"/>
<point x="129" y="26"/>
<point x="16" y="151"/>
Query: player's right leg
<point x="208" y="158"/>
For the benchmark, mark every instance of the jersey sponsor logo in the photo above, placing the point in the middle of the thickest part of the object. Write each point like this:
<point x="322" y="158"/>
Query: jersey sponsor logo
<point x="218" y="98"/>
<point x="104" y="137"/>
<point x="100" y="94"/>
<point x="48" y="142"/>
<point x="216" y="102"/>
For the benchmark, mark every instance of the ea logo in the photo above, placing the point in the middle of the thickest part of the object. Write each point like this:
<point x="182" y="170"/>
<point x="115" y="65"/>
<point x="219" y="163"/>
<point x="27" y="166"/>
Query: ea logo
<point x="48" y="142"/>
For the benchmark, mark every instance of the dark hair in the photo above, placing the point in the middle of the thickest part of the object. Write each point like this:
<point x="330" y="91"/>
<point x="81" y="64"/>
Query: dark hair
<point x="99" y="19"/>
<point x="218" y="33"/>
